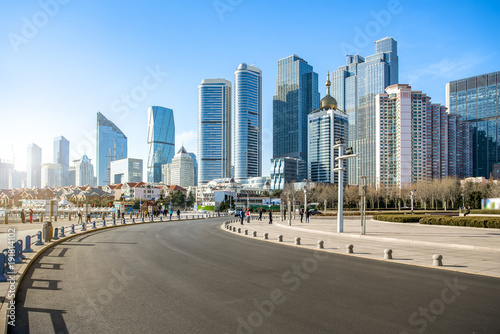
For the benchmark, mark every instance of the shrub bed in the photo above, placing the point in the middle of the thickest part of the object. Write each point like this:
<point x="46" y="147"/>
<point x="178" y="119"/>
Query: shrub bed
<point x="487" y="222"/>
<point x="485" y="212"/>
<point x="399" y="218"/>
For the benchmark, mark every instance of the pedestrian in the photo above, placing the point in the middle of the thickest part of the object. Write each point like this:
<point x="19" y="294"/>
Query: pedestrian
<point x="242" y="217"/>
<point x="31" y="216"/>
<point x="270" y="217"/>
<point x="307" y="215"/>
<point x="178" y="214"/>
<point x="260" y="214"/>
<point x="301" y="212"/>
<point x="80" y="220"/>
<point x="467" y="211"/>
<point x="170" y="212"/>
<point x="248" y="217"/>
<point x="23" y="216"/>
<point x="284" y="214"/>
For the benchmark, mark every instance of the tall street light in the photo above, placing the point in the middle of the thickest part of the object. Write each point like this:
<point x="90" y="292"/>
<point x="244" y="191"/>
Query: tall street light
<point x="412" y="193"/>
<point x="339" y="143"/>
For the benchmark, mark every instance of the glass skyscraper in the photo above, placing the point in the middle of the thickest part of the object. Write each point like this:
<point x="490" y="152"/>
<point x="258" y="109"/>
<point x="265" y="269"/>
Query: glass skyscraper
<point x="111" y="146"/>
<point x="214" y="130"/>
<point x="161" y="140"/>
<point x="33" y="166"/>
<point x="296" y="96"/>
<point x="355" y="87"/>
<point x="247" y="122"/>
<point x="61" y="157"/>
<point x="476" y="99"/>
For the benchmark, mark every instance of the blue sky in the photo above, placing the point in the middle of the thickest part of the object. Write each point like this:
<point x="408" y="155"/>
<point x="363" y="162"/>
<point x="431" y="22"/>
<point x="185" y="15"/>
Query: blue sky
<point x="62" y="61"/>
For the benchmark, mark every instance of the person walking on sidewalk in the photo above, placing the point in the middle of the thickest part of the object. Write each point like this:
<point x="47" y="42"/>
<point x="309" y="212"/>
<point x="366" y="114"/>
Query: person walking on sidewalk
<point x="270" y="217"/>
<point x="260" y="214"/>
<point x="31" y="216"/>
<point x="301" y="212"/>
<point x="178" y="214"/>
<point x="23" y="216"/>
<point x="307" y="216"/>
<point x="80" y="220"/>
<point x="249" y="217"/>
<point x="284" y="214"/>
<point x="242" y="217"/>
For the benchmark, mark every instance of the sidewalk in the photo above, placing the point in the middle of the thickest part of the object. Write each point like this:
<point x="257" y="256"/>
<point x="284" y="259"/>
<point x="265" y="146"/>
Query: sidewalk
<point x="465" y="249"/>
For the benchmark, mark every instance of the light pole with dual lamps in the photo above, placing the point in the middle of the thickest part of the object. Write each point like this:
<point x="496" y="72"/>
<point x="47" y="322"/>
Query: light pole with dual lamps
<point x="339" y="143"/>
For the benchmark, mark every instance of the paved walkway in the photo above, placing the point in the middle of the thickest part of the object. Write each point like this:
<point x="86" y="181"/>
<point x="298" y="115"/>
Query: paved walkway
<point x="466" y="249"/>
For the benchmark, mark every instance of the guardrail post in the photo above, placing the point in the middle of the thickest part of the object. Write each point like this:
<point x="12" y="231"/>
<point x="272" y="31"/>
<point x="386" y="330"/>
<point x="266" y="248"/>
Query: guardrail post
<point x="72" y="229"/>
<point x="266" y="235"/>
<point x="39" y="242"/>
<point x="62" y="235"/>
<point x="133" y="221"/>
<point x="437" y="260"/>
<point x="93" y="225"/>
<point x="4" y="265"/>
<point x="104" y="222"/>
<point x="27" y="248"/>
<point x="387" y="254"/>
<point x="349" y="249"/>
<point x="18" y="252"/>
<point x="143" y="219"/>
<point x="320" y="244"/>
<point x="84" y="226"/>
<point x="56" y="232"/>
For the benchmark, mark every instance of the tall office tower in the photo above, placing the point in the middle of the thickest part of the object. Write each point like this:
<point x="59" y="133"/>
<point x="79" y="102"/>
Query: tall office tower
<point x="84" y="172"/>
<point x="477" y="100"/>
<point x="126" y="170"/>
<point x="111" y="146"/>
<point x="33" y="166"/>
<point x="296" y="96"/>
<point x="418" y="140"/>
<point x="17" y="179"/>
<point x="195" y="164"/>
<point x="214" y="130"/>
<point x="284" y="170"/>
<point x="355" y="86"/>
<point x="247" y="122"/>
<point x="326" y="125"/>
<point x="61" y="157"/>
<point x="6" y="170"/>
<point x="180" y="171"/>
<point x="161" y="140"/>
<point x="72" y="176"/>
<point x="51" y="175"/>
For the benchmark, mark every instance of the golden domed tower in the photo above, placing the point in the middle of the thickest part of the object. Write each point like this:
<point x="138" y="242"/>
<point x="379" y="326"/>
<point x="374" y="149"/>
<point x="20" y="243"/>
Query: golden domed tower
<point x="328" y="102"/>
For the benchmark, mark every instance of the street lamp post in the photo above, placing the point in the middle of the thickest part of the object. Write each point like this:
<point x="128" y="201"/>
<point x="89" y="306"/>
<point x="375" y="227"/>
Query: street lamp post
<point x="412" y="193"/>
<point x="339" y="143"/>
<point x="362" y="192"/>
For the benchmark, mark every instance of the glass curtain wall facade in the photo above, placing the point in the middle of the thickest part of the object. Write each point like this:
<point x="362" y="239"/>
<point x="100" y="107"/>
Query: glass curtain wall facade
<point x="355" y="87"/>
<point x="61" y="157"/>
<point x="33" y="166"/>
<point x="161" y="140"/>
<point x="296" y="96"/>
<point x="214" y="130"/>
<point x="111" y="146"/>
<point x="247" y="122"/>
<point x="476" y="99"/>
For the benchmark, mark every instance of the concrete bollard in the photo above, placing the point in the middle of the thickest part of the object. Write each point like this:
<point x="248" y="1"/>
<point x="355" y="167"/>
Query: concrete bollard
<point x="72" y="229"/>
<point x="93" y="225"/>
<point x="133" y="221"/>
<point x="387" y="254"/>
<point x="254" y="233"/>
<point x="104" y="223"/>
<point x="246" y="232"/>
<point x="56" y="234"/>
<point x="321" y="244"/>
<point x="266" y="236"/>
<point x="39" y="241"/>
<point x="280" y="238"/>
<point x="349" y="249"/>
<point x="27" y="248"/>
<point x="297" y="241"/>
<point x="84" y="226"/>
<point x="437" y="260"/>
<point x="239" y="230"/>
<point x="62" y="235"/>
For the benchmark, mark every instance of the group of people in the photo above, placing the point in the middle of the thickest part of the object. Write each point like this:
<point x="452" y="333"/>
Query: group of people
<point x="247" y="214"/>
<point x="23" y="216"/>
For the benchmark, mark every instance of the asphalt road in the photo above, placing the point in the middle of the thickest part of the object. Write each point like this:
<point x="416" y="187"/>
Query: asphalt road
<point x="191" y="277"/>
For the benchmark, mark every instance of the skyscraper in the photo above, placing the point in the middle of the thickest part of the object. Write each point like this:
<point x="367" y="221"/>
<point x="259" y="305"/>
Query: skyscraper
<point x="180" y="171"/>
<point x="247" y="122"/>
<point x="84" y="172"/>
<point x="126" y="170"/>
<point x="477" y="100"/>
<point x="326" y="125"/>
<point x="355" y="86"/>
<point x="296" y="96"/>
<point x="195" y="164"/>
<point x="51" y="175"/>
<point x="111" y="146"/>
<point x="161" y="140"/>
<point x="33" y="167"/>
<point x="214" y="130"/>
<point x="61" y="157"/>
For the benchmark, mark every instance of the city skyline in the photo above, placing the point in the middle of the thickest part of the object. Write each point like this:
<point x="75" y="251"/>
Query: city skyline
<point x="109" y="69"/>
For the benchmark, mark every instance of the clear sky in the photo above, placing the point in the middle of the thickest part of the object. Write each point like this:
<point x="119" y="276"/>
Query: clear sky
<point x="63" y="61"/>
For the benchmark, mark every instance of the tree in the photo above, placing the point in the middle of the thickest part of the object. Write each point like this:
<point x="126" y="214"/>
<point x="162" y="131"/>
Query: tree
<point x="178" y="198"/>
<point x="191" y="199"/>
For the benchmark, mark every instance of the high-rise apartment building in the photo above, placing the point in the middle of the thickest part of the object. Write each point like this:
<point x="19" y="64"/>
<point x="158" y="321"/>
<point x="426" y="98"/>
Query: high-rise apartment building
<point x="247" y="122"/>
<point x="477" y="100"/>
<point x="355" y="86"/>
<point x="61" y="157"/>
<point x="296" y="96"/>
<point x="180" y="171"/>
<point x="111" y="146"/>
<point x="284" y="170"/>
<point x="418" y="140"/>
<point x="326" y="125"/>
<point x="161" y="140"/>
<point x="6" y="170"/>
<point x="126" y="170"/>
<point x="84" y="172"/>
<point x="51" y="175"/>
<point x="33" y="166"/>
<point x="214" y="130"/>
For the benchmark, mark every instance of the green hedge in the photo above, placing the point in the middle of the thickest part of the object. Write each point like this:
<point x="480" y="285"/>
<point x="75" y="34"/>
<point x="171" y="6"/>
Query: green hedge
<point x="399" y="218"/>
<point x="488" y="222"/>
<point x="485" y="212"/>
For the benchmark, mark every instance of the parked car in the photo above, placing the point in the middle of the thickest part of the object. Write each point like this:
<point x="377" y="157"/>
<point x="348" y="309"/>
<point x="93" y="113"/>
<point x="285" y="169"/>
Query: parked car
<point x="231" y="211"/>
<point x="238" y="213"/>
<point x="202" y="211"/>
<point x="314" y="212"/>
